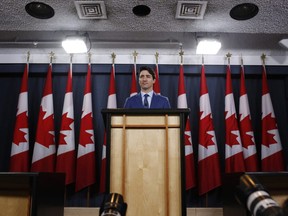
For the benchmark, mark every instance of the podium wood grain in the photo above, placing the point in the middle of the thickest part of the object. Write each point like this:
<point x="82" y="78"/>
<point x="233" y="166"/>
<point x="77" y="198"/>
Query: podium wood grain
<point x="145" y="165"/>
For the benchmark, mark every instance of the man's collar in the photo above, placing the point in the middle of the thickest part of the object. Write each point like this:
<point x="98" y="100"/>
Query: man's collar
<point x="149" y="93"/>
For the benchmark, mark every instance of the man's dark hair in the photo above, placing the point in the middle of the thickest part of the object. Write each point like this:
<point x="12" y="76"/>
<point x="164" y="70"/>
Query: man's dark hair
<point x="150" y="71"/>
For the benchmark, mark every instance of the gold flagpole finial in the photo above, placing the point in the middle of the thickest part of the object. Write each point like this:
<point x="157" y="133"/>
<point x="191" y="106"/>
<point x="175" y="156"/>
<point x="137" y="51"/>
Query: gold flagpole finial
<point x="52" y="55"/>
<point x="113" y="56"/>
<point x="28" y="56"/>
<point x="89" y="57"/>
<point x="156" y="57"/>
<point x="228" y="55"/>
<point x="135" y="54"/>
<point x="263" y="57"/>
<point x="181" y="54"/>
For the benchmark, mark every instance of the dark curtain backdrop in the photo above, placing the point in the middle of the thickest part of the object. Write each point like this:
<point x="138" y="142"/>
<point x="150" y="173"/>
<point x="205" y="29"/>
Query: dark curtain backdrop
<point x="10" y="81"/>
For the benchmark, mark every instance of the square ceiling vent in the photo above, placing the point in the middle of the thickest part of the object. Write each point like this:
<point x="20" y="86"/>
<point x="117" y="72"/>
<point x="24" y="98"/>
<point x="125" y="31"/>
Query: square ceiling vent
<point x="191" y="9"/>
<point x="91" y="9"/>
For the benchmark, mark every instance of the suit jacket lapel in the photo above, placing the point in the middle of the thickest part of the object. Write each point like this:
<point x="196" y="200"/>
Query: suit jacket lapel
<point x="154" y="101"/>
<point x="139" y="101"/>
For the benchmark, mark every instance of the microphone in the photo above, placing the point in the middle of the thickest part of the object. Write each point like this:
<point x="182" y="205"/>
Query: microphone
<point x="257" y="200"/>
<point x="113" y="205"/>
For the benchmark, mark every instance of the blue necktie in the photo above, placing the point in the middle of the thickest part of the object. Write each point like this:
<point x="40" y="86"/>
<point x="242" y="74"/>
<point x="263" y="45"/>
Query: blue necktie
<point x="146" y="104"/>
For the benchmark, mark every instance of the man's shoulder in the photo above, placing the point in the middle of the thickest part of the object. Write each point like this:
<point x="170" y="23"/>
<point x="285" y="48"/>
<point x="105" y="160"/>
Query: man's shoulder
<point x="161" y="101"/>
<point x="158" y="96"/>
<point x="133" y="101"/>
<point x="133" y="97"/>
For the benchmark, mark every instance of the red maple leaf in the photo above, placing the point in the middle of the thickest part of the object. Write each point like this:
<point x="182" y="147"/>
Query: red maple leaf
<point x="86" y="126"/>
<point x="247" y="139"/>
<point x="45" y="130"/>
<point x="21" y="123"/>
<point x="65" y="125"/>
<point x="231" y="126"/>
<point x="268" y="123"/>
<point x="187" y="134"/>
<point x="187" y="139"/>
<point x="205" y="126"/>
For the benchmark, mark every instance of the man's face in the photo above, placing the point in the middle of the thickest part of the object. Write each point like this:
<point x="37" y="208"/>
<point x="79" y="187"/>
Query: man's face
<point x="146" y="81"/>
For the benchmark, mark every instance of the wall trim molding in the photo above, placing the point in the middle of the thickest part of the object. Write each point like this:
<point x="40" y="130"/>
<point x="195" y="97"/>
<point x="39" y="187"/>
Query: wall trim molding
<point x="144" y="59"/>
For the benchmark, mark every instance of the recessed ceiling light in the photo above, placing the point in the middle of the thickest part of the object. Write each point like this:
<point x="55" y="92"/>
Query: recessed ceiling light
<point x="244" y="11"/>
<point x="39" y="10"/>
<point x="141" y="10"/>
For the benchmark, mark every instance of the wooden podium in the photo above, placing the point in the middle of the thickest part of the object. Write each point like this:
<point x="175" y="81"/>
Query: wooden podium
<point x="32" y="194"/>
<point x="145" y="159"/>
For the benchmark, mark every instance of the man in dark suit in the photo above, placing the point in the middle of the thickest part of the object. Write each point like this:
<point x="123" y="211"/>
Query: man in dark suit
<point x="147" y="98"/>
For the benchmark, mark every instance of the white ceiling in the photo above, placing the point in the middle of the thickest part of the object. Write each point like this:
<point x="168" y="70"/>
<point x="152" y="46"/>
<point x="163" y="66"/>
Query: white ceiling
<point x="123" y="29"/>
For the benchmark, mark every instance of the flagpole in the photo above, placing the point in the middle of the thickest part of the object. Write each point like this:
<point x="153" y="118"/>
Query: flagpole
<point x="89" y="58"/>
<point x="181" y="54"/>
<point x="51" y="54"/>
<point x="28" y="61"/>
<point x="88" y="190"/>
<point x="156" y="86"/>
<point x="133" y="89"/>
<point x="65" y="192"/>
<point x="263" y="57"/>
<point x="156" y="57"/>
<point x="135" y="54"/>
<point x="242" y="65"/>
<point x="28" y="57"/>
<point x="71" y="58"/>
<point x="113" y="56"/>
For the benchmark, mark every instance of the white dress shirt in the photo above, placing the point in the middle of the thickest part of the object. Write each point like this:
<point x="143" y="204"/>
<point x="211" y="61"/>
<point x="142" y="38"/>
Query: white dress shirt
<point x="148" y="98"/>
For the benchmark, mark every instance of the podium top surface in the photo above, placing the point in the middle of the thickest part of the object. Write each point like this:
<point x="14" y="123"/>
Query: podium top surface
<point x="144" y="112"/>
<point x="122" y="111"/>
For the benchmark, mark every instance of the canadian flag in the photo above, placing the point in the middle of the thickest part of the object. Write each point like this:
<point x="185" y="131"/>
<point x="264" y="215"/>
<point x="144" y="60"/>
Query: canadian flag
<point x="208" y="157"/>
<point x="85" y="170"/>
<point x="234" y="161"/>
<point x="44" y="153"/>
<point x="271" y="148"/>
<point x="66" y="146"/>
<point x="245" y="126"/>
<point x="133" y="90"/>
<point x="19" y="158"/>
<point x="111" y="104"/>
<point x="156" y="87"/>
<point x="189" y="155"/>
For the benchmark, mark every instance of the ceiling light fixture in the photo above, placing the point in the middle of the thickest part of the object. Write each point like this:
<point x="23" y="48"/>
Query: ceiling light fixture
<point x="141" y="10"/>
<point x="75" y="44"/>
<point x="284" y="43"/>
<point x="208" y="46"/>
<point x="244" y="11"/>
<point x="39" y="10"/>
